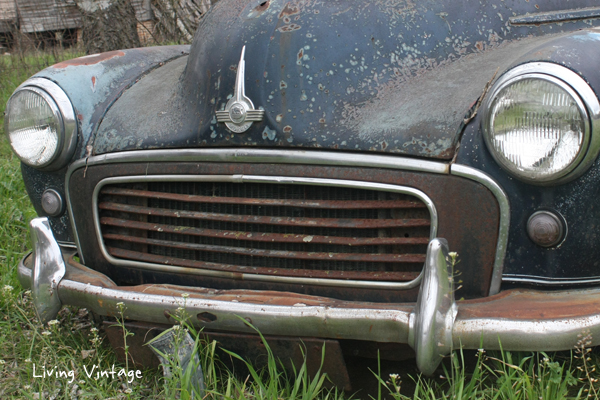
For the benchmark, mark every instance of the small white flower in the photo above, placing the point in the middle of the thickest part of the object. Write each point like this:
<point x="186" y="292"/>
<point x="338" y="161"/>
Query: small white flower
<point x="28" y="360"/>
<point x="46" y="333"/>
<point x="53" y="322"/>
<point x="27" y="387"/>
<point x="180" y="309"/>
<point x="120" y="304"/>
<point x="128" y="391"/>
<point x="94" y="329"/>
<point x="453" y="254"/>
<point x="7" y="288"/>
<point x="185" y="295"/>
<point x="2" y="362"/>
<point x="27" y="292"/>
<point x="394" y="376"/>
<point x="81" y="382"/>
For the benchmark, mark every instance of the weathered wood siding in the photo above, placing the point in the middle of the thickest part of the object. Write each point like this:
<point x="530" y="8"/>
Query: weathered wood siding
<point x="47" y="15"/>
<point x="143" y="11"/>
<point x="8" y="15"/>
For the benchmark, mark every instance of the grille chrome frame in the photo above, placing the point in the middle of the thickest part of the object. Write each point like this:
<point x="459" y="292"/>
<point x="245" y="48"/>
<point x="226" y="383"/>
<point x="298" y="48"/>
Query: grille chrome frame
<point x="269" y="180"/>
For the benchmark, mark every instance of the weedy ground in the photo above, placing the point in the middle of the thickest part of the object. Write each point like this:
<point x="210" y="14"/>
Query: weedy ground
<point x="29" y="351"/>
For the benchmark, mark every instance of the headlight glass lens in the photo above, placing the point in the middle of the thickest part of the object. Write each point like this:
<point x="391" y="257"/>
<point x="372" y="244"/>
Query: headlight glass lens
<point x="34" y="126"/>
<point x="537" y="128"/>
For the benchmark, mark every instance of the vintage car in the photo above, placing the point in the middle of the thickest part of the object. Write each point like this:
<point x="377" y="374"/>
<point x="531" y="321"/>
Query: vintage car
<point x="306" y="167"/>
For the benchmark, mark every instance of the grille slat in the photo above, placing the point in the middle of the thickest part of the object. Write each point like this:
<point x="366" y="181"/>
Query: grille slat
<point x="267" y="220"/>
<point x="324" y="204"/>
<point x="294" y="230"/>
<point x="372" y="257"/>
<point x="359" y="275"/>
<point x="264" y="237"/>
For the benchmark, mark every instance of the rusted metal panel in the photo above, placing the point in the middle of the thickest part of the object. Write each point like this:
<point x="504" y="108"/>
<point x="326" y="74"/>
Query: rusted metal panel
<point x="80" y="273"/>
<point x="89" y="60"/>
<point x="263" y="237"/>
<point x="532" y="305"/>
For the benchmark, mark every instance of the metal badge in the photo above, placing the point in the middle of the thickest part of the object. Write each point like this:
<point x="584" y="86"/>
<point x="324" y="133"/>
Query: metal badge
<point x="239" y="112"/>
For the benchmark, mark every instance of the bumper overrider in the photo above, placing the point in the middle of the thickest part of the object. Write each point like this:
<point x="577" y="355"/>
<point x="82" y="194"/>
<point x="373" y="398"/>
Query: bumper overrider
<point x="436" y="324"/>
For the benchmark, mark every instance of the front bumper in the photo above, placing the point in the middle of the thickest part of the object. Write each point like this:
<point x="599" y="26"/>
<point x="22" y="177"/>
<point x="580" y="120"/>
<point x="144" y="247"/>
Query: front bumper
<point x="436" y="324"/>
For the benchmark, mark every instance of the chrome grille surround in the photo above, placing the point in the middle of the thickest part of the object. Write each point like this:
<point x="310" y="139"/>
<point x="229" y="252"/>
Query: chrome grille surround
<point x="120" y="261"/>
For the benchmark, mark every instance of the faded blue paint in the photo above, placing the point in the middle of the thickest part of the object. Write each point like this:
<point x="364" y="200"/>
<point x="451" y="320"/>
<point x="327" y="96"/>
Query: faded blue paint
<point x="92" y="86"/>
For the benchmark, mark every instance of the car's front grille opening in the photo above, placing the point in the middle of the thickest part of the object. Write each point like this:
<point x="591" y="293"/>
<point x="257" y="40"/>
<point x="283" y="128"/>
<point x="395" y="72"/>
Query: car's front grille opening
<point x="294" y="230"/>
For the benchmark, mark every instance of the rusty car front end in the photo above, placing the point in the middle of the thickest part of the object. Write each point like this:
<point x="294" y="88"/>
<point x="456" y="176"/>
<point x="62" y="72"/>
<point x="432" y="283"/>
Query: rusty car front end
<point x="304" y="169"/>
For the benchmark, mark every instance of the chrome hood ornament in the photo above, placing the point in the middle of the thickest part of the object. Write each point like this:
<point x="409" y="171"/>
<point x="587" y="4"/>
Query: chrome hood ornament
<point x="239" y="112"/>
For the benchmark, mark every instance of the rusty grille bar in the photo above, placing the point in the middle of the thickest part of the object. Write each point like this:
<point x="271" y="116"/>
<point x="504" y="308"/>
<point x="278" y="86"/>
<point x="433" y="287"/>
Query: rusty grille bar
<point x="295" y="230"/>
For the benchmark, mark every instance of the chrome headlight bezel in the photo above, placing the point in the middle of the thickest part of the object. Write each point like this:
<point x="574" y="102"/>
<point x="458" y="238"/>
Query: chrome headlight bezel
<point x="586" y="101"/>
<point x="61" y="105"/>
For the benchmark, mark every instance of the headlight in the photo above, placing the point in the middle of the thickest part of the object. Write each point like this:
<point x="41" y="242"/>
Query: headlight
<point x="537" y="124"/>
<point x="40" y="124"/>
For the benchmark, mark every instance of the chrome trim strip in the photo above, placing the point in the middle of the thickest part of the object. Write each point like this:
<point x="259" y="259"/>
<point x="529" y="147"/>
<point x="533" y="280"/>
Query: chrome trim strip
<point x="555" y="16"/>
<point x="262" y="156"/>
<point x="67" y="245"/>
<point x="504" y="223"/>
<point x="540" y="280"/>
<point x="68" y="139"/>
<point x="255" y="156"/>
<point x="263" y="179"/>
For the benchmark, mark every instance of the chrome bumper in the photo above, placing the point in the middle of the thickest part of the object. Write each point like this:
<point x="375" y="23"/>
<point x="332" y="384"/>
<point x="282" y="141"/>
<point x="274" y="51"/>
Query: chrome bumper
<point x="517" y="320"/>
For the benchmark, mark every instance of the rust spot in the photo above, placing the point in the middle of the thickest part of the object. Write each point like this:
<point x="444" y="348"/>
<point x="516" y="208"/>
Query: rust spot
<point x="289" y="10"/>
<point x="279" y="117"/>
<point x="289" y="28"/>
<point x="93" y="81"/>
<point x="89" y="60"/>
<point x="322" y="120"/>
<point x="80" y="117"/>
<point x="287" y="20"/>
<point x="287" y="129"/>
<point x="167" y="314"/>
<point x="479" y="46"/>
<point x="300" y="54"/>
<point x="248" y="319"/>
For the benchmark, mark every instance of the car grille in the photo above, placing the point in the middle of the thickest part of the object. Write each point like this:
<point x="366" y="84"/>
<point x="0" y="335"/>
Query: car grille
<point x="293" y="230"/>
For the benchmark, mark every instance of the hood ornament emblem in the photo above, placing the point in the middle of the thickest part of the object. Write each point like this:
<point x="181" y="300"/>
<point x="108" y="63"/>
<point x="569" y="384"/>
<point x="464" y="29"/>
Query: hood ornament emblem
<point x="239" y="112"/>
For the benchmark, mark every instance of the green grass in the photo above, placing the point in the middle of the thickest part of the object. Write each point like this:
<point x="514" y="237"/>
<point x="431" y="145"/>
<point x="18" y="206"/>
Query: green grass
<point x="73" y="343"/>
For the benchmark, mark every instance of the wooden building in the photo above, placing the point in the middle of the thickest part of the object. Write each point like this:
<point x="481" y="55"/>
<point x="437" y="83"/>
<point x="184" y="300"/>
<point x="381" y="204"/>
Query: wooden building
<point x="8" y="15"/>
<point x="54" y="19"/>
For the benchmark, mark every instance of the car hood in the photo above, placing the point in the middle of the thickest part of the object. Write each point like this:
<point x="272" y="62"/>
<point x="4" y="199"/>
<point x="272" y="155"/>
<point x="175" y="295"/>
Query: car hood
<point x="381" y="76"/>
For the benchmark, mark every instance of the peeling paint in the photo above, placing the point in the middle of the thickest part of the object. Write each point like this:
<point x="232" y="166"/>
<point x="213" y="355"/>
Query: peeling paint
<point x="89" y="60"/>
